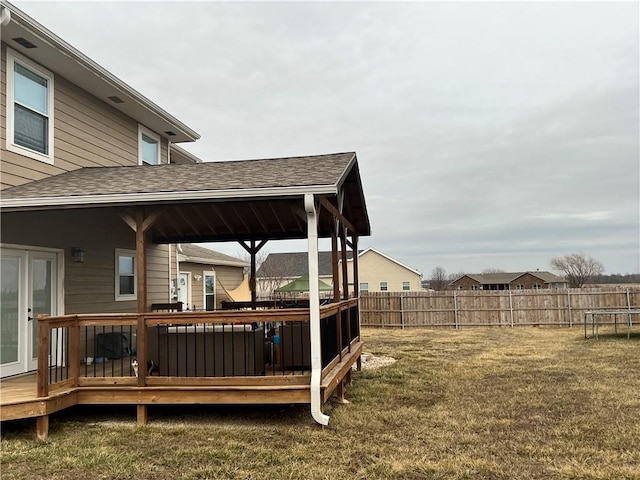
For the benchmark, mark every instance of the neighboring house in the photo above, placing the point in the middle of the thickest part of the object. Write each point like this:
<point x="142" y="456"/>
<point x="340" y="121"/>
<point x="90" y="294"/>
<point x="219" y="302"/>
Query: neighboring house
<point x="207" y="278"/>
<point x="508" y="281"/>
<point x="378" y="272"/>
<point x="278" y="269"/>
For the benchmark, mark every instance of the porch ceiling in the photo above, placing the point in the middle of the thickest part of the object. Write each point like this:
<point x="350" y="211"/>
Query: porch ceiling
<point x="209" y="202"/>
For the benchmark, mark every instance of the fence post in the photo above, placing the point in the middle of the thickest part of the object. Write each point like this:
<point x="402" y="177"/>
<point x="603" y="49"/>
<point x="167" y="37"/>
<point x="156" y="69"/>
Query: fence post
<point x="402" y="310"/>
<point x="455" y="309"/>
<point x="569" y="306"/>
<point x="511" y="308"/>
<point x="628" y="315"/>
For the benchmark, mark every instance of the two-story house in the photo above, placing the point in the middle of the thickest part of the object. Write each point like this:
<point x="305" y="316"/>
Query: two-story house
<point x="94" y="194"/>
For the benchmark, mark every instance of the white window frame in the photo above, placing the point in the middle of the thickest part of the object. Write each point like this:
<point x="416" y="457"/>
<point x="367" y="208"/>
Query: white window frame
<point x="474" y="287"/>
<point x="364" y="287"/>
<point x="12" y="58"/>
<point x="406" y="284"/>
<point x="143" y="130"/>
<point x="121" y="252"/>
<point x="536" y="286"/>
<point x="386" y="286"/>
<point x="204" y="289"/>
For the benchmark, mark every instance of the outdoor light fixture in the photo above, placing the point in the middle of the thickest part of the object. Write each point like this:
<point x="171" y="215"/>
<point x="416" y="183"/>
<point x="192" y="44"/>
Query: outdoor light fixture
<point x="77" y="254"/>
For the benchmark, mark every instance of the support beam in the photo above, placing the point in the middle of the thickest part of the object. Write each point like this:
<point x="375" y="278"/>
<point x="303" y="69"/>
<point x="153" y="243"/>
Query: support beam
<point x="334" y="261"/>
<point x="356" y="278"/>
<point x="336" y="214"/>
<point x="343" y="252"/>
<point x="253" y="249"/>
<point x="141" y="264"/>
<point x="142" y="414"/>
<point x="42" y="427"/>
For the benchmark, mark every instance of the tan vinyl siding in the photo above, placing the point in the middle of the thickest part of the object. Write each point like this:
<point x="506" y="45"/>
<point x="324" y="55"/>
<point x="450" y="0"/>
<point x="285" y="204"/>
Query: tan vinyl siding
<point x="89" y="287"/>
<point x="88" y="132"/>
<point x="228" y="277"/>
<point x="374" y="268"/>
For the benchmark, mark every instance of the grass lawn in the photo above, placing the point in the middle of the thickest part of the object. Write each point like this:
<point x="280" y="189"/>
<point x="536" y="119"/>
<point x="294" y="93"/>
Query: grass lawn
<point x="490" y="403"/>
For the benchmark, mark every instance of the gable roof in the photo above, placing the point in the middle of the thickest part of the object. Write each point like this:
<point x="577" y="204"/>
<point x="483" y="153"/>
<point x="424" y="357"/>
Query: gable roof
<point x="371" y="249"/>
<point x="208" y="202"/>
<point x="502" y="278"/>
<point x="58" y="56"/>
<point x="189" y="252"/>
<point x="294" y="264"/>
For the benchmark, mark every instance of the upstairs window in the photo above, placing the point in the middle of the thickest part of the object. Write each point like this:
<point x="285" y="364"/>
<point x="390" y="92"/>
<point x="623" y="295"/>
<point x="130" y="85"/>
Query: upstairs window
<point x="406" y="286"/>
<point x="29" y="108"/>
<point x="384" y="286"/>
<point x="364" y="286"/>
<point x="148" y="147"/>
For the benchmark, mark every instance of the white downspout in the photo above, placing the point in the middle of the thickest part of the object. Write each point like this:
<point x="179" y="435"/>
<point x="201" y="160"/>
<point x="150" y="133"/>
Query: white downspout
<point x="178" y="249"/>
<point x="314" y="311"/>
<point x="5" y="17"/>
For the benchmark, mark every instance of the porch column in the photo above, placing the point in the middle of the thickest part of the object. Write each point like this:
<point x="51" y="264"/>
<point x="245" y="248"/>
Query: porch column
<point x="314" y="311"/>
<point x="253" y="249"/>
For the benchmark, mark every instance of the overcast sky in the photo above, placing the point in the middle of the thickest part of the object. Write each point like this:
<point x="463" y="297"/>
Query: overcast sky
<point x="489" y="135"/>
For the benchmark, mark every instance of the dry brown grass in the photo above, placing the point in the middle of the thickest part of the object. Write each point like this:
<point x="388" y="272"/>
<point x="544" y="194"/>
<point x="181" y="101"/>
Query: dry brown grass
<point x="526" y="403"/>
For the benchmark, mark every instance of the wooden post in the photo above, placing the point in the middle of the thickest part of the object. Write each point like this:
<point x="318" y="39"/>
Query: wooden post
<point x="334" y="261"/>
<point x="42" y="427"/>
<point x="141" y="266"/>
<point x="511" y="307"/>
<point x="74" y="354"/>
<point x="628" y="315"/>
<point x="455" y="309"/>
<point x="43" y="356"/>
<point x="141" y="355"/>
<point x="252" y="277"/>
<point x="343" y="252"/>
<point x="569" y="307"/>
<point x="142" y="414"/>
<point x="252" y="250"/>
<point x="356" y="277"/>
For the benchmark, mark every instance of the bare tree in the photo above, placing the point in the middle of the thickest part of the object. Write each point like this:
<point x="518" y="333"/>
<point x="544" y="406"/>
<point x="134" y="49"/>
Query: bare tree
<point x="577" y="268"/>
<point x="438" y="280"/>
<point x="492" y="270"/>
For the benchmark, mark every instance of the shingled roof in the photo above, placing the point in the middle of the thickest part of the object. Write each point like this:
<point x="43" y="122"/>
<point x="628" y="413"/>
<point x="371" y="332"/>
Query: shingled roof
<point x="211" y="201"/>
<point x="316" y="170"/>
<point x="197" y="254"/>
<point x="503" y="278"/>
<point x="294" y="264"/>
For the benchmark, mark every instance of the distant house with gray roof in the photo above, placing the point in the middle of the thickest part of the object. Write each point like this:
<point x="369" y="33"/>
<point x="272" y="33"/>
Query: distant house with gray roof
<point x="508" y="281"/>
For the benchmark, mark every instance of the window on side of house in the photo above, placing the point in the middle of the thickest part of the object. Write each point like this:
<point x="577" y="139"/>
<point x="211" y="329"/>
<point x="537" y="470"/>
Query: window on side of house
<point x="384" y="286"/>
<point x="474" y="287"/>
<point x="406" y="286"/>
<point x="209" y="291"/>
<point x="148" y="147"/>
<point x="536" y="286"/>
<point x="29" y="108"/>
<point x="364" y="286"/>
<point x="520" y="287"/>
<point x="125" y="275"/>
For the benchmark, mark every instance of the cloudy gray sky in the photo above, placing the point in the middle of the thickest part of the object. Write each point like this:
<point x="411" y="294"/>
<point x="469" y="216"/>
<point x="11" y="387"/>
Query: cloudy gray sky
<point x="489" y="135"/>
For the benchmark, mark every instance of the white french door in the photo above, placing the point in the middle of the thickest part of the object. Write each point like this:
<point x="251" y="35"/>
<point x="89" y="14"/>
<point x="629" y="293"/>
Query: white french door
<point x="29" y="287"/>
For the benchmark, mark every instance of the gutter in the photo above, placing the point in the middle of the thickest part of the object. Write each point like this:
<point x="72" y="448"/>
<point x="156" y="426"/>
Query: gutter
<point x="153" y="197"/>
<point x="314" y="311"/>
<point x="45" y="35"/>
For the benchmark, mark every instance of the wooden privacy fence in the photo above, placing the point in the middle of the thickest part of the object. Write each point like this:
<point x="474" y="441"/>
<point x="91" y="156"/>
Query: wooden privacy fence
<point x="485" y="308"/>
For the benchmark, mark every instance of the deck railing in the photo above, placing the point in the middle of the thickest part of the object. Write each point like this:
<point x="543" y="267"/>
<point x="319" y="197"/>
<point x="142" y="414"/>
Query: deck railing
<point x="189" y="348"/>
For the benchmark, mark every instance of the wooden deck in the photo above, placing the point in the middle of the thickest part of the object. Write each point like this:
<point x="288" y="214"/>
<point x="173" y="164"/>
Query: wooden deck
<point x="19" y="397"/>
<point x="211" y="358"/>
